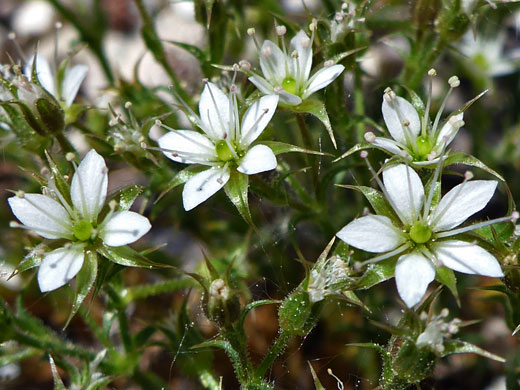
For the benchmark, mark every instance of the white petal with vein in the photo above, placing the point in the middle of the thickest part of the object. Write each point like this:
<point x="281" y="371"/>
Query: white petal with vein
<point x="397" y="112"/>
<point x="124" y="227"/>
<point x="59" y="267"/>
<point x="259" y="158"/>
<point x="203" y="185"/>
<point x="413" y="274"/>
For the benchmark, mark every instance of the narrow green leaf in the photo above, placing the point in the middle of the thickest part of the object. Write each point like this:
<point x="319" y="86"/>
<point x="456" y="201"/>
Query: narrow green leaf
<point x="282" y="147"/>
<point x="317" y="108"/>
<point x="251" y="306"/>
<point x="458" y="346"/>
<point x="376" y="200"/>
<point x="236" y="190"/>
<point x="497" y="233"/>
<point x="181" y="178"/>
<point x="84" y="282"/>
<point x="124" y="255"/>
<point x="317" y="383"/>
<point x="58" y="384"/>
<point x="193" y="50"/>
<point x="467" y="159"/>
<point x="376" y="273"/>
<point x="128" y="196"/>
<point x="447" y="277"/>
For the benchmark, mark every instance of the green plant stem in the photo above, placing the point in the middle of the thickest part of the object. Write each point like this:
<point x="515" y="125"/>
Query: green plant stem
<point x="145" y="291"/>
<point x="119" y="305"/>
<point x="276" y="349"/>
<point x="154" y="44"/>
<point x="239" y="344"/>
<point x="359" y="105"/>
<point x="307" y="143"/>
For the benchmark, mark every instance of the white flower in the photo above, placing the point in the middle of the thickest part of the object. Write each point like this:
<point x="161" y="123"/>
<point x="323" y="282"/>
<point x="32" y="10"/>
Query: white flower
<point x="224" y="145"/>
<point x="421" y="233"/>
<point x="64" y="90"/>
<point x="414" y="139"/>
<point x="287" y="72"/>
<point x="77" y="221"/>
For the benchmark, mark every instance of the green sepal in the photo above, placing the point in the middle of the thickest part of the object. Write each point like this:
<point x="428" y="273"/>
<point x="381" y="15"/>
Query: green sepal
<point x="32" y="259"/>
<point x="182" y="177"/>
<point x="58" y="384"/>
<point x="236" y="189"/>
<point x="467" y="159"/>
<point x="124" y="255"/>
<point x="446" y="276"/>
<point x="51" y="115"/>
<point x="317" y="383"/>
<point x="29" y="116"/>
<point x="375" y="274"/>
<point x="282" y="147"/>
<point x="128" y="196"/>
<point x="341" y="56"/>
<point x="498" y="233"/>
<point x="316" y="108"/>
<point x="376" y="200"/>
<point x="459" y="346"/>
<point x="192" y="49"/>
<point x="84" y="282"/>
<point x="59" y="181"/>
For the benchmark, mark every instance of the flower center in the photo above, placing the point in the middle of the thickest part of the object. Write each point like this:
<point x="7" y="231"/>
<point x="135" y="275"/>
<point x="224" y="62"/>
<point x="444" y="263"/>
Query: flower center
<point x="424" y="146"/>
<point x="289" y="84"/>
<point x="83" y="230"/>
<point x="420" y="232"/>
<point x="224" y="153"/>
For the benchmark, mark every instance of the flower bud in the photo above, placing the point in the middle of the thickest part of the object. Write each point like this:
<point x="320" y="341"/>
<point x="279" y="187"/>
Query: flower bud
<point x="221" y="305"/>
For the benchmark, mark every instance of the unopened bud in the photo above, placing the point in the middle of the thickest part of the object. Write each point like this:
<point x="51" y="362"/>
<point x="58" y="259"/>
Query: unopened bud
<point x="220" y="304"/>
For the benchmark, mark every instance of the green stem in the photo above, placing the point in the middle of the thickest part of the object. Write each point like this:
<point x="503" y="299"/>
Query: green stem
<point x="307" y="143"/>
<point x="359" y="105"/>
<point x="239" y="344"/>
<point x="276" y="349"/>
<point x="154" y="44"/>
<point x="120" y="307"/>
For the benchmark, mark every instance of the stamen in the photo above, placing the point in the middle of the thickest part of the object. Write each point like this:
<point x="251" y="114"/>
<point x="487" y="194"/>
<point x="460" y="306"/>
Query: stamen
<point x="391" y="98"/>
<point x="436" y="176"/>
<point x="265" y="111"/>
<point x="245" y="65"/>
<point x="159" y="123"/>
<point x="204" y="158"/>
<point x="454" y="82"/>
<point x="12" y="36"/>
<point x="281" y="30"/>
<point x="432" y="73"/>
<point x="465" y="229"/>
<point x="369" y="137"/>
<point x="387" y="255"/>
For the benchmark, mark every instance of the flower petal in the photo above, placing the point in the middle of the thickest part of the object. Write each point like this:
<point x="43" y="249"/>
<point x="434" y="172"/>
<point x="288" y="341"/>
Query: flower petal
<point x="73" y="78"/>
<point x="188" y="147"/>
<point x="447" y="132"/>
<point x="262" y="84"/>
<point x="215" y="111"/>
<point x="322" y="78"/>
<point x="413" y="274"/>
<point x="43" y="215"/>
<point x="43" y="71"/>
<point x="461" y="202"/>
<point x="289" y="98"/>
<point x="272" y="65"/>
<point x="259" y="158"/>
<point x="89" y="185"/>
<point x="124" y="227"/>
<point x="203" y="185"/>
<point x="257" y="117"/>
<point x="400" y="108"/>
<point x="388" y="144"/>
<point x="373" y="233"/>
<point x="303" y="46"/>
<point x="405" y="190"/>
<point x="59" y="267"/>
<point x="468" y="258"/>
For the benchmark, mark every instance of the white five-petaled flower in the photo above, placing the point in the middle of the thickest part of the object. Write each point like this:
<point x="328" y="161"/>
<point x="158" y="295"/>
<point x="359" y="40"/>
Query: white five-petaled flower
<point x="63" y="87"/>
<point x="54" y="217"/>
<point x="224" y="145"/>
<point x="421" y="234"/>
<point x="288" y="72"/>
<point x="413" y="137"/>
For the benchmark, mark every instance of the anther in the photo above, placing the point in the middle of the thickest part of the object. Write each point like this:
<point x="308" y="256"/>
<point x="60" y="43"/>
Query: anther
<point x="305" y="41"/>
<point x="251" y="31"/>
<point x="70" y="156"/>
<point x="432" y="72"/>
<point x="468" y="175"/>
<point x="454" y="81"/>
<point x="344" y="6"/>
<point x="514" y="216"/>
<point x="444" y="313"/>
<point x="112" y="122"/>
<point x="245" y="65"/>
<point x="44" y="171"/>
<point x="313" y="25"/>
<point x="281" y="30"/>
<point x="278" y="89"/>
<point x="112" y="204"/>
<point x="431" y="156"/>
<point x="406" y="123"/>
<point x="295" y="54"/>
<point x="20" y="194"/>
<point x="14" y="224"/>
<point x="11" y="36"/>
<point x="58" y="25"/>
<point x="128" y="105"/>
<point x="144" y="146"/>
<point x="363" y="154"/>
<point x="328" y="63"/>
<point x="235" y="67"/>
<point x="369" y="137"/>
<point x="158" y="122"/>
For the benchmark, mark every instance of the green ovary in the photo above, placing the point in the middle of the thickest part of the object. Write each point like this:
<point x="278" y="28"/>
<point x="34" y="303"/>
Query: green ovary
<point x="424" y="146"/>
<point x="420" y="232"/>
<point x="83" y="230"/>
<point x="289" y="85"/>
<point x="223" y="151"/>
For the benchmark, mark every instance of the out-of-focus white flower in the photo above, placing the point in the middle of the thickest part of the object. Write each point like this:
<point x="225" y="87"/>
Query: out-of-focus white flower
<point x="75" y="220"/>
<point x="33" y="18"/>
<point x="224" y="145"/>
<point x="421" y="234"/>
<point x="63" y="87"/>
<point x="287" y="72"/>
